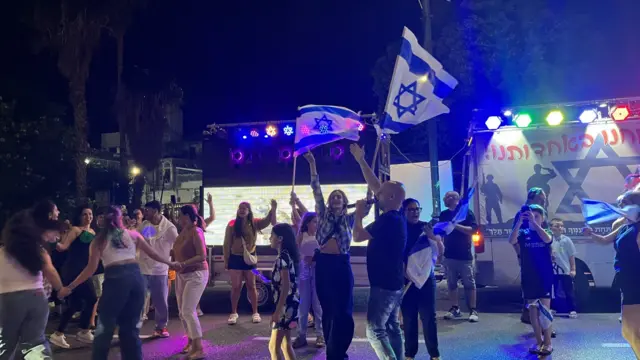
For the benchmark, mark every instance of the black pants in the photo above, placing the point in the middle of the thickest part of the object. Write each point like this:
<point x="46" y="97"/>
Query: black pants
<point x="120" y="305"/>
<point x="423" y="302"/>
<point x="334" y="284"/>
<point x="568" y="302"/>
<point x="83" y="298"/>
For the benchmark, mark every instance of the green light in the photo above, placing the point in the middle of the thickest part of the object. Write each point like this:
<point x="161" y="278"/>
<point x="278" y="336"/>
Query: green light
<point x="555" y="118"/>
<point x="522" y="120"/>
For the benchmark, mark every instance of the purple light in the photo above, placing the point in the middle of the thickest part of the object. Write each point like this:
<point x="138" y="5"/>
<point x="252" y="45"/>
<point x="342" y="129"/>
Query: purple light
<point x="237" y="156"/>
<point x="285" y="154"/>
<point x="336" y="152"/>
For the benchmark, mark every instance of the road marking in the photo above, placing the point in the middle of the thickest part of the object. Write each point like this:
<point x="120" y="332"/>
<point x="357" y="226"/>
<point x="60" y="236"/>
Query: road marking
<point x="616" y="345"/>
<point x="312" y="339"/>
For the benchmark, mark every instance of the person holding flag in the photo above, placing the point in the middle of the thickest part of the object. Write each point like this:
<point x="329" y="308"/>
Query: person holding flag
<point x="318" y="125"/>
<point x="420" y="257"/>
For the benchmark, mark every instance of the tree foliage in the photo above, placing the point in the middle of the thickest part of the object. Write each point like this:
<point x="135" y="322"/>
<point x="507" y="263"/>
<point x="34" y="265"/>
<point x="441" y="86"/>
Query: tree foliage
<point x="36" y="161"/>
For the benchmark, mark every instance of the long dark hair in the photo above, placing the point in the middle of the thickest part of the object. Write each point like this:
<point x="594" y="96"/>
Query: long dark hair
<point x="304" y="227"/>
<point x="112" y="229"/>
<point x="43" y="209"/>
<point x="22" y="238"/>
<point x="239" y="223"/>
<point x="289" y="243"/>
<point x="77" y="216"/>
<point x="199" y="219"/>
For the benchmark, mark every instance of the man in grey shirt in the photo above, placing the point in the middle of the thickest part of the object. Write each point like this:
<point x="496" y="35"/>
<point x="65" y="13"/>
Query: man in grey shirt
<point x="564" y="264"/>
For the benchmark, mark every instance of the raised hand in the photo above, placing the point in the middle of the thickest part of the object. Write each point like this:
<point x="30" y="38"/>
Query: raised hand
<point x="310" y="158"/>
<point x="587" y="231"/>
<point x="274" y="204"/>
<point x="294" y="198"/>
<point x="209" y="199"/>
<point x="357" y="152"/>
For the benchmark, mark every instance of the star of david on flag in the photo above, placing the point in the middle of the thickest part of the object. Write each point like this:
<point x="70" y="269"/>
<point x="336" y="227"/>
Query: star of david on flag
<point x="322" y="124"/>
<point x="417" y="89"/>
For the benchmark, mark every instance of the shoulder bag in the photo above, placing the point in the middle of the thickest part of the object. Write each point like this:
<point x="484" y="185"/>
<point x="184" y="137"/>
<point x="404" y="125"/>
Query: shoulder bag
<point x="248" y="257"/>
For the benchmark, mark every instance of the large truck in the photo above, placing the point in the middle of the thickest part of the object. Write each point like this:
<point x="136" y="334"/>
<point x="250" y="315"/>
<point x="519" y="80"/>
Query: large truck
<point x="572" y="151"/>
<point x="253" y="162"/>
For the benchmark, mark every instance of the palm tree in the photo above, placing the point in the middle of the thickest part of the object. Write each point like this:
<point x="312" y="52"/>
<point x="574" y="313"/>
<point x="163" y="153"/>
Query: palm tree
<point x="72" y="30"/>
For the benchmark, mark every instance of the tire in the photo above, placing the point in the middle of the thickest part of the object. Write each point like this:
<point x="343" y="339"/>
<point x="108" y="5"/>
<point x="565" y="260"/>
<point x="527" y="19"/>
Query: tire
<point x="265" y="296"/>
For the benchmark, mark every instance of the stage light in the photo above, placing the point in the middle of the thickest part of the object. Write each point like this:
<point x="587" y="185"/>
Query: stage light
<point x="237" y="156"/>
<point x="620" y="113"/>
<point x="360" y="127"/>
<point x="507" y="113"/>
<point x="305" y="130"/>
<point x="555" y="118"/>
<point x="588" y="116"/>
<point x="522" y="120"/>
<point x="288" y="130"/>
<point x="271" y="130"/>
<point x="87" y="161"/>
<point x="135" y="171"/>
<point x="285" y="154"/>
<point x="266" y="136"/>
<point x="244" y="136"/>
<point x="254" y="133"/>
<point x="604" y="105"/>
<point x="493" y="122"/>
<point x="336" y="152"/>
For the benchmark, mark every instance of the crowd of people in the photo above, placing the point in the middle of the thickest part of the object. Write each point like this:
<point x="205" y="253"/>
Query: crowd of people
<point x="123" y="264"/>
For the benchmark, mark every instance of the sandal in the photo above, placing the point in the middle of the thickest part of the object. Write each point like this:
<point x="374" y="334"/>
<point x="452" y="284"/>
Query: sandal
<point x="545" y="350"/>
<point x="199" y="355"/>
<point x="186" y="349"/>
<point x="535" y="349"/>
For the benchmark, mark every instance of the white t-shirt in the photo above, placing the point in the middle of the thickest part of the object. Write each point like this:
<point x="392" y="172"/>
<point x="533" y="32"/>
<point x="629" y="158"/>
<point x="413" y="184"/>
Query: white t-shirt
<point x="161" y="237"/>
<point x="563" y="249"/>
<point x="308" y="245"/>
<point x="14" y="277"/>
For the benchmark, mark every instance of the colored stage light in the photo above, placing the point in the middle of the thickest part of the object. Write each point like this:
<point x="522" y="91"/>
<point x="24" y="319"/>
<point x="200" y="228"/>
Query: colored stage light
<point x="360" y="127"/>
<point x="555" y="118"/>
<point x="237" y="156"/>
<point x="588" y="116"/>
<point x="244" y="136"/>
<point x="254" y="133"/>
<point x="493" y="122"/>
<point x="288" y="130"/>
<point x="508" y="113"/>
<point x="522" y="120"/>
<point x="620" y="113"/>
<point x="271" y="130"/>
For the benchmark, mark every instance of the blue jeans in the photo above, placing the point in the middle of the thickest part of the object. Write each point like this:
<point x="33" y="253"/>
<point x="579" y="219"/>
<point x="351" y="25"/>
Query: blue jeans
<point x="158" y="286"/>
<point x="120" y="305"/>
<point x="308" y="299"/>
<point x="383" y="324"/>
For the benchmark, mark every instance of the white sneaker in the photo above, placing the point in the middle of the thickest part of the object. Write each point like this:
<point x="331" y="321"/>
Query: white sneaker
<point x="473" y="316"/>
<point x="573" y="315"/>
<point x="59" y="341"/>
<point x="85" y="336"/>
<point x="256" y="319"/>
<point x="233" y="319"/>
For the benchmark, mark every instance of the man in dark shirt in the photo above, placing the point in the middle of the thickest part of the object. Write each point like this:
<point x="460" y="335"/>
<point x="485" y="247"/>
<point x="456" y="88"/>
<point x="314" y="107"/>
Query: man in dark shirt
<point x="458" y="257"/>
<point x="387" y="239"/>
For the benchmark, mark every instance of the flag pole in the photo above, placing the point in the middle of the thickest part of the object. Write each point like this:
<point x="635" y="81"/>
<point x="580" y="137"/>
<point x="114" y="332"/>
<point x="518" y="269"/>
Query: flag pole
<point x="375" y="154"/>
<point x="293" y="180"/>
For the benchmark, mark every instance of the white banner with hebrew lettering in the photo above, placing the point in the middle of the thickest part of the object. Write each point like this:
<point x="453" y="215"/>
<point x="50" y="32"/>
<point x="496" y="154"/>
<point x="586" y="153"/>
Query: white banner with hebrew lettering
<point x="569" y="163"/>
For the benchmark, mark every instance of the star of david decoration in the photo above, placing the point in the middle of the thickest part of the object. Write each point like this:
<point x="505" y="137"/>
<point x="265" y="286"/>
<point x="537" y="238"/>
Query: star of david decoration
<point x="323" y="125"/>
<point x="590" y="160"/>
<point x="416" y="99"/>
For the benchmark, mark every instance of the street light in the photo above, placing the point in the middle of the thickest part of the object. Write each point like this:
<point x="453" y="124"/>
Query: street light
<point x="135" y="171"/>
<point x="87" y="161"/>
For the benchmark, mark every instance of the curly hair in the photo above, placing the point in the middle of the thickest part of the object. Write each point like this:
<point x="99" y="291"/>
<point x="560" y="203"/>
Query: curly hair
<point x="22" y="238"/>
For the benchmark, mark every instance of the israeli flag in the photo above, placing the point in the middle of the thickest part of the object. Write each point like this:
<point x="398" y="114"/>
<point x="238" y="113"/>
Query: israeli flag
<point x="596" y="212"/>
<point x="445" y="228"/>
<point x="322" y="124"/>
<point x="422" y="259"/>
<point x="417" y="89"/>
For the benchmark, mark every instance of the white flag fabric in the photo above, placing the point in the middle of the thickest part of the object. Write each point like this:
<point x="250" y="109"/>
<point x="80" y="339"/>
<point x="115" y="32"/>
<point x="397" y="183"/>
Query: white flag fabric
<point x="445" y="228"/>
<point x="596" y="212"/>
<point x="421" y="262"/>
<point x="418" y="87"/>
<point x="544" y="314"/>
<point x="322" y="124"/>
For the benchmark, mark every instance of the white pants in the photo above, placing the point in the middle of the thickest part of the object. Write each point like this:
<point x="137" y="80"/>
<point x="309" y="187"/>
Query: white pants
<point x="189" y="289"/>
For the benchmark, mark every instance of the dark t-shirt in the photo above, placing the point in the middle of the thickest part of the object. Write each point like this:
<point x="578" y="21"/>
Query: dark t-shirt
<point x="457" y="245"/>
<point x="413" y="233"/>
<point x="535" y="254"/>
<point x="385" y="251"/>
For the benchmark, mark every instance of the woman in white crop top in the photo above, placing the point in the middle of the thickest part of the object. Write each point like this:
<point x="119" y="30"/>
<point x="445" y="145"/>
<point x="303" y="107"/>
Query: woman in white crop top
<point x="24" y="307"/>
<point x="123" y="289"/>
<point x="307" y="245"/>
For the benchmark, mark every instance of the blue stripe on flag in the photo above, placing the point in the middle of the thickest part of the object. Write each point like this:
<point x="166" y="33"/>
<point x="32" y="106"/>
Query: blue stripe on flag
<point x="312" y="141"/>
<point x="421" y="244"/>
<point x="420" y="67"/>
<point x="342" y="112"/>
<point x="388" y="124"/>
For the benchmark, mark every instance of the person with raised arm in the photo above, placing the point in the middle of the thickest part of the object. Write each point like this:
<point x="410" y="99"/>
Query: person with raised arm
<point x="387" y="238"/>
<point x="334" y="276"/>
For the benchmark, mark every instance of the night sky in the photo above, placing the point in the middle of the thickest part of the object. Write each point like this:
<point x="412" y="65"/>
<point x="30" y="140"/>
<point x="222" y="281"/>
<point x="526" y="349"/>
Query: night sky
<point x="249" y="60"/>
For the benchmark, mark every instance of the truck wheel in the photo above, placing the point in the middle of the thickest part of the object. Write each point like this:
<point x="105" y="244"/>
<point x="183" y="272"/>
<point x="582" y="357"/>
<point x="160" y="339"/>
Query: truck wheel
<point x="582" y="284"/>
<point x="265" y="296"/>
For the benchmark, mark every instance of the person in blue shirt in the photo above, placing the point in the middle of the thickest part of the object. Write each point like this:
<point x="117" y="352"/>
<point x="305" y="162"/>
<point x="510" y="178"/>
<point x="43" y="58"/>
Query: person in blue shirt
<point x="536" y="270"/>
